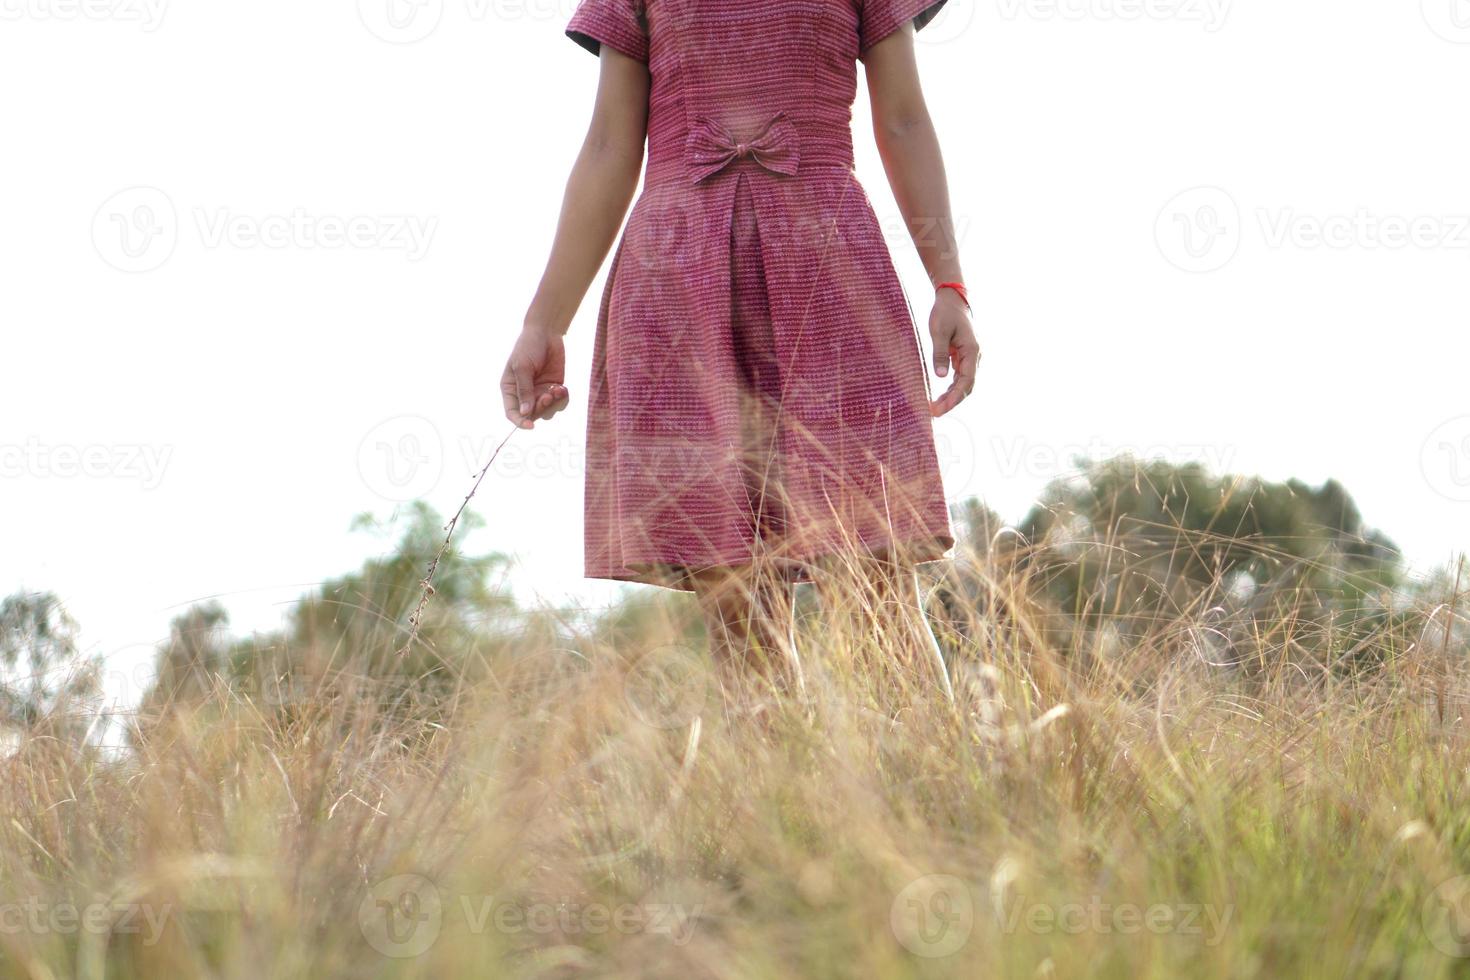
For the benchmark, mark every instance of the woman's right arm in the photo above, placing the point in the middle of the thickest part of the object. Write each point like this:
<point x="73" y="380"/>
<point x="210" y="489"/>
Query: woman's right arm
<point x="598" y="193"/>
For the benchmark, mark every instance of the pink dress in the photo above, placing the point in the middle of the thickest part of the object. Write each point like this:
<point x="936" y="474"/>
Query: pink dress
<point x="758" y="388"/>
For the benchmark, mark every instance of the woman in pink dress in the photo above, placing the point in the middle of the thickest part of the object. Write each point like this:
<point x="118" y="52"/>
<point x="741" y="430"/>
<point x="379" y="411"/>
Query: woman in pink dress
<point x="759" y="408"/>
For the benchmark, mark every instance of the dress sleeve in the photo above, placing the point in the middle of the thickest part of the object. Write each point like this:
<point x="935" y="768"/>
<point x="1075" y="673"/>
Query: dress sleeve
<point x="881" y="18"/>
<point x="616" y="23"/>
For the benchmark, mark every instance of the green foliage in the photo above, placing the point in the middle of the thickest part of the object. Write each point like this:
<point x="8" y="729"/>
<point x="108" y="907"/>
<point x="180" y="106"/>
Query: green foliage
<point x="46" y="683"/>
<point x="1135" y="546"/>
<point x="354" y="627"/>
<point x="193" y="659"/>
<point x="367" y="612"/>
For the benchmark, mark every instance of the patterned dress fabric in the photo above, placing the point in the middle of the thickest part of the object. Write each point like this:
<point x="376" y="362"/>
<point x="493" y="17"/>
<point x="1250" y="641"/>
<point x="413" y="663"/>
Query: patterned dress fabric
<point x="758" y="389"/>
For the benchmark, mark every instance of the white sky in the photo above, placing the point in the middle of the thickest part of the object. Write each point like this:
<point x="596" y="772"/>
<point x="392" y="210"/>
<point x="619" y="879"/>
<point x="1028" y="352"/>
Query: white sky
<point x="208" y="424"/>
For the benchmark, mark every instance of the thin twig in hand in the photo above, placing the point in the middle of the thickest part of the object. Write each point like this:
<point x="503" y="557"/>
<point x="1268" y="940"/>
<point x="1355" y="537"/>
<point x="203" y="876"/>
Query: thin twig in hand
<point x="428" y="583"/>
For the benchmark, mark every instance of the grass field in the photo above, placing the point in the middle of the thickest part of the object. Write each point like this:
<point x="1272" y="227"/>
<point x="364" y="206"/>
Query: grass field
<point x="1136" y="801"/>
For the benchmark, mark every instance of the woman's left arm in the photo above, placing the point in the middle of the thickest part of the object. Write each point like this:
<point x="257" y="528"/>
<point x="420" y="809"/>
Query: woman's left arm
<point x="911" y="156"/>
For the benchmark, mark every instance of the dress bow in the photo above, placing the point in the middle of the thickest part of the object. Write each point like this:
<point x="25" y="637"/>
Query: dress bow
<point x="711" y="148"/>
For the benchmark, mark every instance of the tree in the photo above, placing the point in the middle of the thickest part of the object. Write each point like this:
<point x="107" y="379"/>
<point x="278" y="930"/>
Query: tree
<point x="193" y="661"/>
<point x="1146" y="547"/>
<point x="46" y="683"/>
<point x="346" y="636"/>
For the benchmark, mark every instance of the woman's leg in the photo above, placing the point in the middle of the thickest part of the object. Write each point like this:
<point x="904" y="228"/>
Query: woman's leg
<point x="749" y="615"/>
<point x="882" y="600"/>
<point x="911" y="623"/>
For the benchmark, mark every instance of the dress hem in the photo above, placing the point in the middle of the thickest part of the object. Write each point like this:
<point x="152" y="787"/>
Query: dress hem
<point x="674" y="575"/>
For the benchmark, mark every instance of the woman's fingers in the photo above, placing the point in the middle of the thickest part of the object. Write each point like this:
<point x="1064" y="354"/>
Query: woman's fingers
<point x="941" y="355"/>
<point x="510" y="396"/>
<point x="966" y="359"/>
<point x="941" y="332"/>
<point x="525" y="386"/>
<point x="552" y="399"/>
<point x="518" y="393"/>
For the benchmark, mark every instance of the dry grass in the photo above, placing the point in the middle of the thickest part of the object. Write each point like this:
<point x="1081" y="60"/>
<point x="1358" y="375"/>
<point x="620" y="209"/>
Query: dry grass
<point x="1115" y="806"/>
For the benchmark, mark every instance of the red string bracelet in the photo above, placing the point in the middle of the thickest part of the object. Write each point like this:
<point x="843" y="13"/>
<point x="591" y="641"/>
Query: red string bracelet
<point x="958" y="287"/>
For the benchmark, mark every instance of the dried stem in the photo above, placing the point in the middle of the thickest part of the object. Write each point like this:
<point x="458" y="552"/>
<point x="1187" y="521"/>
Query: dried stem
<point x="428" y="581"/>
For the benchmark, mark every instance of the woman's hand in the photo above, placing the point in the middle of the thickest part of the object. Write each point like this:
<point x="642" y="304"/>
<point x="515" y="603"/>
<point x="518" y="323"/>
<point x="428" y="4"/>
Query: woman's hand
<point x="910" y="152"/>
<point x="534" y="383"/>
<point x="598" y="194"/>
<point x="954" y="343"/>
